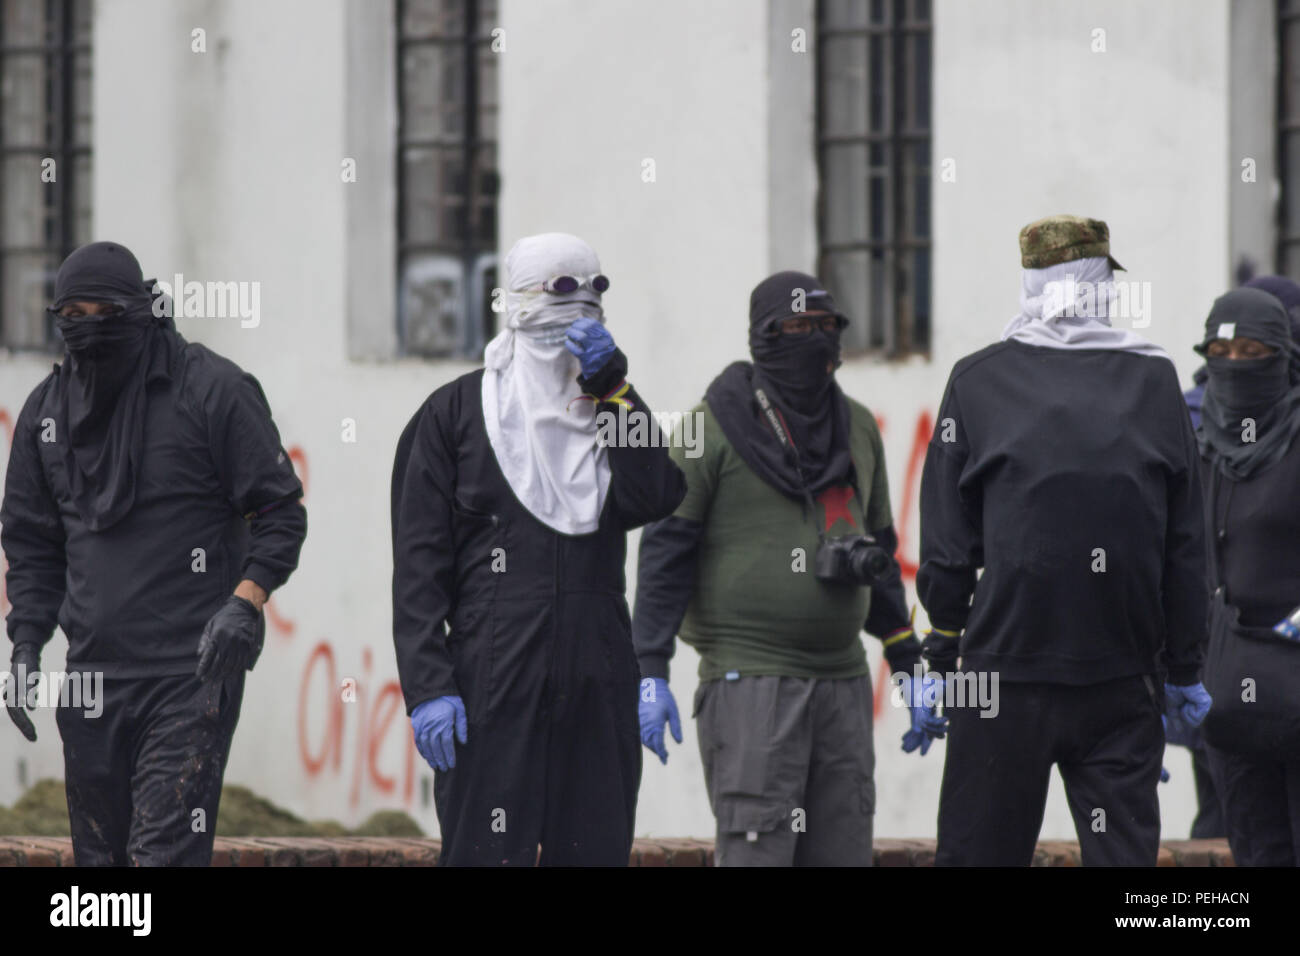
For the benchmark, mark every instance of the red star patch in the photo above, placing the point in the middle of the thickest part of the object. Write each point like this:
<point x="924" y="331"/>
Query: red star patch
<point x="835" y="501"/>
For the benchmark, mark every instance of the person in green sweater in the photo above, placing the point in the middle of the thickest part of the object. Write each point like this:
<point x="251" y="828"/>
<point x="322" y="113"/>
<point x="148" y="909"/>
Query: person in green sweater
<point x="780" y="554"/>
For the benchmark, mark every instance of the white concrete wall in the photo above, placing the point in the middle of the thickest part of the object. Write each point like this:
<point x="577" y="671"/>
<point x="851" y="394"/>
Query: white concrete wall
<point x="225" y="165"/>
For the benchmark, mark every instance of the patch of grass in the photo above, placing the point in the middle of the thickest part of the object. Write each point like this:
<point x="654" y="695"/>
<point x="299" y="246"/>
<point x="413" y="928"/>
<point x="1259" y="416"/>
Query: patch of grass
<point x="43" y="811"/>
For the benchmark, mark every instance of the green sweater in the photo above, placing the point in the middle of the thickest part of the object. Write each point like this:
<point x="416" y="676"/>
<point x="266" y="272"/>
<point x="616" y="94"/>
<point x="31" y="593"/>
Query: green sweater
<point x="757" y="607"/>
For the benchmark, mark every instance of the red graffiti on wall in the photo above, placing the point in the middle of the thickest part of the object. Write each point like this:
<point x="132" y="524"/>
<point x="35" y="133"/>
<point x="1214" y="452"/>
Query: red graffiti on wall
<point x="321" y="743"/>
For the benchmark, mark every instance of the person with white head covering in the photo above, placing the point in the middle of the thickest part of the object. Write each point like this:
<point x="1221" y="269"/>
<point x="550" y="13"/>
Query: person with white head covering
<point x="1064" y="466"/>
<point x="510" y="508"/>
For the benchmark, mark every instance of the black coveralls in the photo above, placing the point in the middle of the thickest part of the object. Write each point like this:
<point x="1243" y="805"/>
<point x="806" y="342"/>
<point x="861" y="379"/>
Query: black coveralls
<point x="1070" y="477"/>
<point x="539" y="644"/>
<point x="133" y="601"/>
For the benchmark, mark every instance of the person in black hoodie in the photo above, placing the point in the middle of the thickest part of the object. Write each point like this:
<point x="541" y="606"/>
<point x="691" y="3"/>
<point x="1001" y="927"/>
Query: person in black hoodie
<point x="1251" y="467"/>
<point x="1063" y="464"/>
<point x="149" y="510"/>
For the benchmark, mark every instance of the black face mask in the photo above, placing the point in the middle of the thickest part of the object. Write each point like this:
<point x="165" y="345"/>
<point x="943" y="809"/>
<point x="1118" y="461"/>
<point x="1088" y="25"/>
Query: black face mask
<point x="797" y="365"/>
<point x="1243" y="386"/>
<point x="105" y="353"/>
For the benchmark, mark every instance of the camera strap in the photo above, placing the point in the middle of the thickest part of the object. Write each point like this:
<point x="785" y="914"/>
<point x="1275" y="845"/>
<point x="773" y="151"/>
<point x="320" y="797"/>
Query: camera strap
<point x="775" y="422"/>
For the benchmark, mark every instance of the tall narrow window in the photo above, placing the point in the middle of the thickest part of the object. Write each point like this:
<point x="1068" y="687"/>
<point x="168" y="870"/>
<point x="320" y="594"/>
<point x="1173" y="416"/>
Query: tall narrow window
<point x="873" y="153"/>
<point x="1288" y="137"/>
<point x="447" y="179"/>
<point x="45" y="130"/>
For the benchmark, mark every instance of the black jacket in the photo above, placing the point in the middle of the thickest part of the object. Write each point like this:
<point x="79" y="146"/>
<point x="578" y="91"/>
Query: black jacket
<point x="1071" y="478"/>
<point x="215" y="491"/>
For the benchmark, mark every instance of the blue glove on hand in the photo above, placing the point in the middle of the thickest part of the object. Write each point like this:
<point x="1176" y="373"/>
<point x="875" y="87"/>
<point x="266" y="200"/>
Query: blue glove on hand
<point x="432" y="723"/>
<point x="656" y="707"/>
<point x="1189" y="704"/>
<point x="591" y="342"/>
<point x="921" y="698"/>
<point x="1179" y="733"/>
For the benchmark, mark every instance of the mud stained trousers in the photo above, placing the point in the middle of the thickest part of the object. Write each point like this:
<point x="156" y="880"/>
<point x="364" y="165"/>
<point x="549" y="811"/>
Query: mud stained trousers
<point x="789" y="766"/>
<point x="136" y="774"/>
<point x="553" y="756"/>
<point x="1106" y="739"/>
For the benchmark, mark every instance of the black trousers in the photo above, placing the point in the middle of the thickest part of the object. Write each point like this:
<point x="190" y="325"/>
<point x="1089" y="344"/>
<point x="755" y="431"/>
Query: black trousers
<point x="143" y="778"/>
<point x="1209" y="823"/>
<point x="1261" y="807"/>
<point x="1106" y="739"/>
<point x="553" y="756"/>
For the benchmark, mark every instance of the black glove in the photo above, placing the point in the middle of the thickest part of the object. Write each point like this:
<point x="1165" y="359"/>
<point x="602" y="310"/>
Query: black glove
<point x="26" y="661"/>
<point x="941" y="649"/>
<point x="232" y="640"/>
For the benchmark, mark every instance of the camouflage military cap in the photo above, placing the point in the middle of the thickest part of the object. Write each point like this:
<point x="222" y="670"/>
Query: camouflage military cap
<point x="1057" y="239"/>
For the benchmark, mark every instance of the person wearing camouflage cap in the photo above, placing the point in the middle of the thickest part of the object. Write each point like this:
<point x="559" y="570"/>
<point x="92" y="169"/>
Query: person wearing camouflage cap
<point x="1063" y="466"/>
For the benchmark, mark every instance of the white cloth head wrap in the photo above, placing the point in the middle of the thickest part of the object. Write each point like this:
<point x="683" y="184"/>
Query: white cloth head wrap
<point x="1068" y="306"/>
<point x="544" y="441"/>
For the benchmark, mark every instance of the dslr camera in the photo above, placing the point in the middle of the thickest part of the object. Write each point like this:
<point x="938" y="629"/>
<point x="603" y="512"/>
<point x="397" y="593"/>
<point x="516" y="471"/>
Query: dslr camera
<point x="853" y="559"/>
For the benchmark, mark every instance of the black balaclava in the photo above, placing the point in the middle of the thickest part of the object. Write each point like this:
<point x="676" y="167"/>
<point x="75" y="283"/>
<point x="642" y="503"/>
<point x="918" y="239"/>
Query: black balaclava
<point x="1281" y="288"/>
<point x="102" y="402"/>
<point x="1265" y="390"/>
<point x="792" y="372"/>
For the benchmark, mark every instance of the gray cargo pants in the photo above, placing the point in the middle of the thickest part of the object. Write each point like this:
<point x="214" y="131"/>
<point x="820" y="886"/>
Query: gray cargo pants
<point x="788" y="764"/>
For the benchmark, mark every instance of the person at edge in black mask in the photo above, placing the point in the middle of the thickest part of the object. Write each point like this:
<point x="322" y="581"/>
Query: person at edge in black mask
<point x="766" y="571"/>
<point x="149" y="510"/>
<point x="1208" y="823"/>
<point x="510" y="509"/>
<point x="1250" y="420"/>
<point x="1064" y="465"/>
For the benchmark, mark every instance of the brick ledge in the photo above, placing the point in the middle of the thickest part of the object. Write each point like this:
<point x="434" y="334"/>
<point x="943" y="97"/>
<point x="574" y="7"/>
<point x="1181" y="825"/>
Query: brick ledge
<point x="658" y="851"/>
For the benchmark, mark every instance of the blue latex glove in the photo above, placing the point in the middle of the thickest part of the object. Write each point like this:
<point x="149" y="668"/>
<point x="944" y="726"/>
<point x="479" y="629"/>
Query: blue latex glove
<point x="591" y="342"/>
<point x="1179" y="733"/>
<point x="655" y="708"/>
<point x="921" y="698"/>
<point x="1189" y="704"/>
<point x="433" y="723"/>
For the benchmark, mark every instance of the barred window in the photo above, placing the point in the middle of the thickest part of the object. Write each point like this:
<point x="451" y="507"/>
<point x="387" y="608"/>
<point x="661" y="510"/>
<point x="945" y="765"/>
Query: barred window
<point x="873" y="154"/>
<point x="447" y="180"/>
<point x="45" y="133"/>
<point x="1288" y="137"/>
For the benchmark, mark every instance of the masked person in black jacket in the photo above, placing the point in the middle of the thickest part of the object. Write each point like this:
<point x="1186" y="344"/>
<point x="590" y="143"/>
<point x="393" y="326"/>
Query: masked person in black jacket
<point x="1251" y="468"/>
<point x="510" y="514"/>
<point x="149" y="510"/>
<point x="1063" y="463"/>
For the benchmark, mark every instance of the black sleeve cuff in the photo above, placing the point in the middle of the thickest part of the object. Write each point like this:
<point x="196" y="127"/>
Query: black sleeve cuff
<point x="607" y="378"/>
<point x="29" y="634"/>
<point x="653" y="665"/>
<point x="904" y="656"/>
<point x="941" y="651"/>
